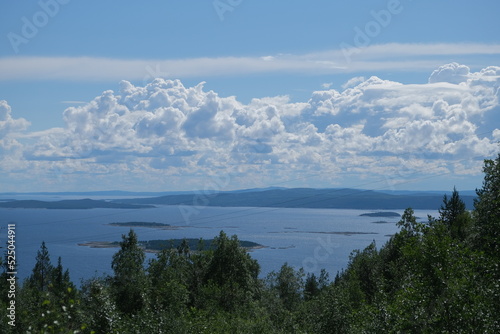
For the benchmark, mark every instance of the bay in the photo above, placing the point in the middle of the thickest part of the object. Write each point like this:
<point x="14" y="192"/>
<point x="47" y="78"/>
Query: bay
<point x="308" y="238"/>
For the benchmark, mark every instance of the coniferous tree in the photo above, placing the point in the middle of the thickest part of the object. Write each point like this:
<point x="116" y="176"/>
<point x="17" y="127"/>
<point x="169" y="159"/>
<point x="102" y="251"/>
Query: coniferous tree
<point x="454" y="216"/>
<point x="487" y="232"/>
<point x="62" y="288"/>
<point x="129" y="281"/>
<point x="311" y="287"/>
<point x="487" y="210"/>
<point x="409" y="224"/>
<point x="183" y="248"/>
<point x="41" y="276"/>
<point x="451" y="208"/>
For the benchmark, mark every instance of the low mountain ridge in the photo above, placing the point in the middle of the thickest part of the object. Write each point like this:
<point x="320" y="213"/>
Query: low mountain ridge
<point x="342" y="198"/>
<point x="336" y="198"/>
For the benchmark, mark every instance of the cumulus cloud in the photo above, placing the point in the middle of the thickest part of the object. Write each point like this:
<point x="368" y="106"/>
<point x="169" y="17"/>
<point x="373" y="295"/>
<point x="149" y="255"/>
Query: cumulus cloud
<point x="11" y="150"/>
<point x="9" y="125"/>
<point x="167" y="132"/>
<point x="452" y="73"/>
<point x="352" y="82"/>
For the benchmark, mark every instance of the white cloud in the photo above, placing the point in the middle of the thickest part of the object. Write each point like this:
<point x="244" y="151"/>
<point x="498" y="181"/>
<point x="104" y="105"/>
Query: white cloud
<point x="353" y="82"/>
<point x="452" y="73"/>
<point x="170" y="134"/>
<point x="9" y="125"/>
<point x="393" y="57"/>
<point x="11" y="150"/>
<point x="496" y="134"/>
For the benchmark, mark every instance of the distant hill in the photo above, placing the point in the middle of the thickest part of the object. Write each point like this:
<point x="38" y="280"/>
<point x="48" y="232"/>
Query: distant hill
<point x="109" y="193"/>
<point x="428" y="192"/>
<point x="342" y="198"/>
<point x="118" y="193"/>
<point x="71" y="204"/>
<point x="306" y="198"/>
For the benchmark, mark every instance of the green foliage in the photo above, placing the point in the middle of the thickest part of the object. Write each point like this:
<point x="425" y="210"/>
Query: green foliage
<point x="288" y="285"/>
<point x="99" y="309"/>
<point x="452" y="208"/>
<point x="129" y="281"/>
<point x="455" y="217"/>
<point x="332" y="312"/>
<point x="409" y="225"/>
<point x="42" y="272"/>
<point x="311" y="287"/>
<point x="169" y="281"/>
<point x="48" y="302"/>
<point x="231" y="275"/>
<point x="487" y="210"/>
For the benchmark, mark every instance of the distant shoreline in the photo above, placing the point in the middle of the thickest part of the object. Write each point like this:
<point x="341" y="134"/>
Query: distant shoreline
<point x="82" y="204"/>
<point x="160" y="226"/>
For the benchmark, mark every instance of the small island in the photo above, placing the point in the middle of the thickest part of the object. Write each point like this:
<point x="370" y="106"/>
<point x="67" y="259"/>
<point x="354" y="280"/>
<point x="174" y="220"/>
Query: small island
<point x="155" y="246"/>
<point x="382" y="222"/>
<point x="140" y="224"/>
<point x="386" y="214"/>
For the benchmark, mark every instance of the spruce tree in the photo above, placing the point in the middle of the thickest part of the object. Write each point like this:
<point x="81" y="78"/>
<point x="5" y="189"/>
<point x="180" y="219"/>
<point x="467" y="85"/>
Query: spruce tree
<point x="454" y="216"/>
<point x="41" y="276"/>
<point x="487" y="210"/>
<point x="129" y="281"/>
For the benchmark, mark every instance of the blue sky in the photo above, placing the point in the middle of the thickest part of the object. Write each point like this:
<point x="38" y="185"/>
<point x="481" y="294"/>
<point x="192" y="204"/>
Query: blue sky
<point x="367" y="94"/>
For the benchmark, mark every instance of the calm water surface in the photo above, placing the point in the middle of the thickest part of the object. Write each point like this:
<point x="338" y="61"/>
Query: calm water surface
<point x="308" y="238"/>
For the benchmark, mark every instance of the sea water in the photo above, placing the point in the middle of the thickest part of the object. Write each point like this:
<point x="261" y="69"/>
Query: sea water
<point x="309" y="238"/>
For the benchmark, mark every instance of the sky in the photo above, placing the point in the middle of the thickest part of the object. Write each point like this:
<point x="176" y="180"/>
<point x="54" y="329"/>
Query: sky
<point x="231" y="94"/>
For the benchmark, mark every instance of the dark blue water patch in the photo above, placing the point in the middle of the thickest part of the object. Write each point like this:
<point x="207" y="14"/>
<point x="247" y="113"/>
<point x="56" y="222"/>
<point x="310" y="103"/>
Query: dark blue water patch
<point x="309" y="238"/>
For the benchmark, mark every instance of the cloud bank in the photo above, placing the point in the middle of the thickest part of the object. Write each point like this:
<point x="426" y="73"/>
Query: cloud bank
<point x="167" y="136"/>
<point x="386" y="57"/>
<point x="10" y="129"/>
